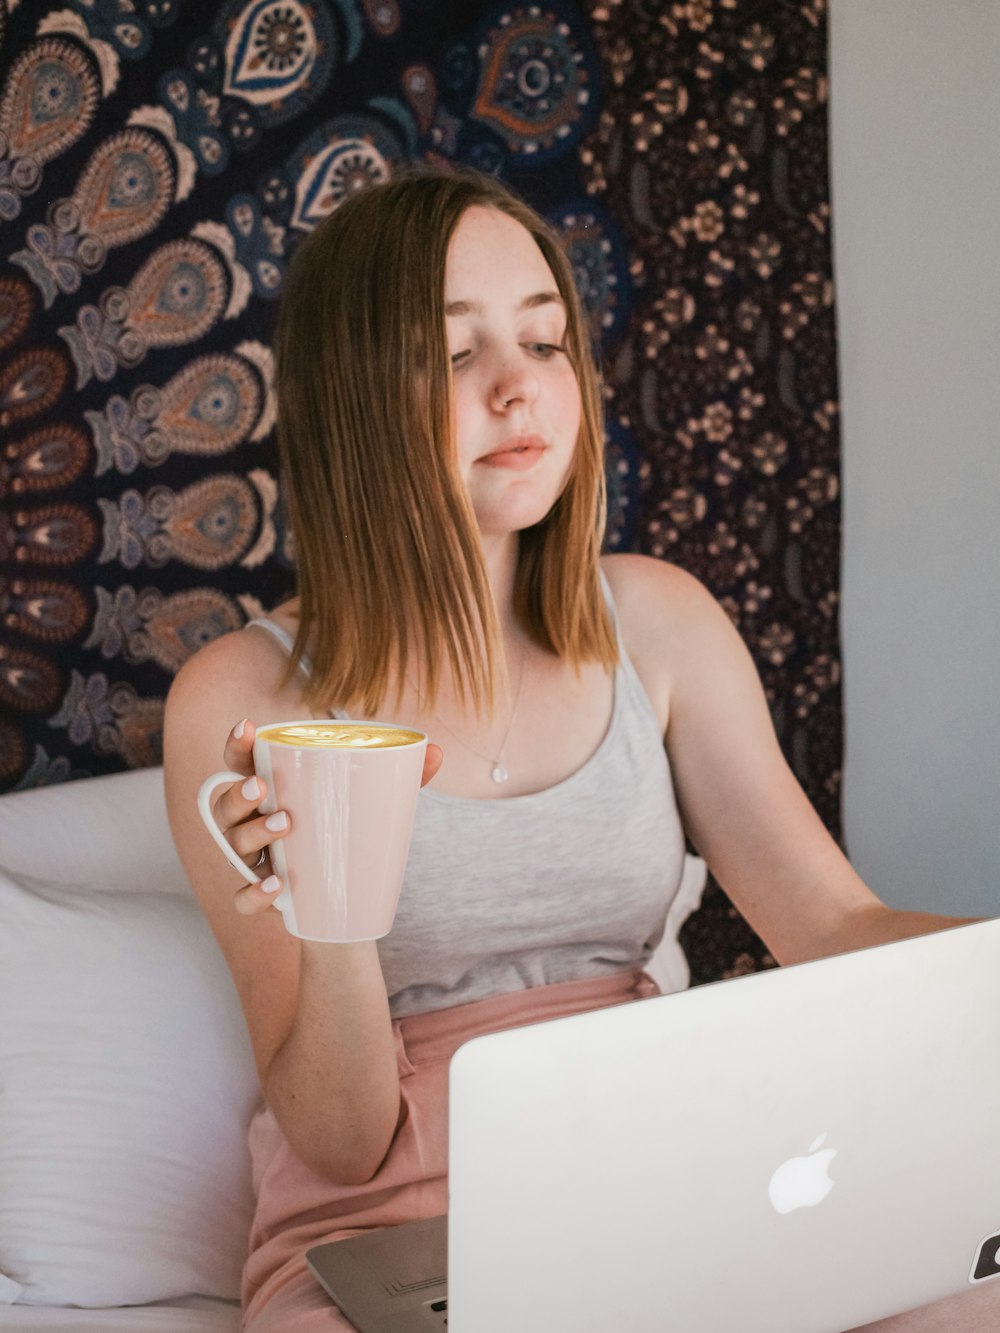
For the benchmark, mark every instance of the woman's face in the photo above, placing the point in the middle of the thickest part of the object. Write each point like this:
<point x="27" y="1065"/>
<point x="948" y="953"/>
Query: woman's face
<point x="516" y="398"/>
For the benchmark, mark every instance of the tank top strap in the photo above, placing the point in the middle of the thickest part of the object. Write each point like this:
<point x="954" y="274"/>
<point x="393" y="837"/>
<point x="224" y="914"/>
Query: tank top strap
<point x="609" y="602"/>
<point x="287" y="642"/>
<point x="627" y="674"/>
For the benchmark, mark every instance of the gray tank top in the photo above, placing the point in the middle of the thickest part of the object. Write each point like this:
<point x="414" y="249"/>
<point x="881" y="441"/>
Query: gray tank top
<point x="565" y="884"/>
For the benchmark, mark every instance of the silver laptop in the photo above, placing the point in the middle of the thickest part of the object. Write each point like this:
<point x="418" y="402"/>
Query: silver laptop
<point x="798" y="1151"/>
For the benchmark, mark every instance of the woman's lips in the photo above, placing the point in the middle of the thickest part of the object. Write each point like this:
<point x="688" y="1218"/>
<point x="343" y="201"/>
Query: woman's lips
<point x="518" y="454"/>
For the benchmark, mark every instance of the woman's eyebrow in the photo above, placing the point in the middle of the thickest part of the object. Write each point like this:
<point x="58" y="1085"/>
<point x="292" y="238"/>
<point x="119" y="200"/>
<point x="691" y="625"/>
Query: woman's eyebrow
<point x="529" y="303"/>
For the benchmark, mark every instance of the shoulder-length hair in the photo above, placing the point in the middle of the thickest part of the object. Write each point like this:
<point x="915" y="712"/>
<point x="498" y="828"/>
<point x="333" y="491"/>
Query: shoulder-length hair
<point x="389" y="562"/>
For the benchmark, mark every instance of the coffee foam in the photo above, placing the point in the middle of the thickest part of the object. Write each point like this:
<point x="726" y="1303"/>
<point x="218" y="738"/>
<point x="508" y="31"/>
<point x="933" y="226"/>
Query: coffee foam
<point x="333" y="735"/>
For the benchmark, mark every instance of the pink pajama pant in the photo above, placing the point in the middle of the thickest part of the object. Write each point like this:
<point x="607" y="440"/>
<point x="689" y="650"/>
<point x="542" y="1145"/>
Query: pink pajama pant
<point x="297" y="1209"/>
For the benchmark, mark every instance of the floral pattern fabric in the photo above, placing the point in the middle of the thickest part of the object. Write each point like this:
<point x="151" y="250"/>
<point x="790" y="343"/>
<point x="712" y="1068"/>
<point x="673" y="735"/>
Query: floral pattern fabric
<point x="159" y="162"/>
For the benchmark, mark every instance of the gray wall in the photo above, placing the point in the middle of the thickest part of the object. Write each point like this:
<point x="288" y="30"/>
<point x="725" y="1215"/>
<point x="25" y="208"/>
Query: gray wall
<point x="915" y="99"/>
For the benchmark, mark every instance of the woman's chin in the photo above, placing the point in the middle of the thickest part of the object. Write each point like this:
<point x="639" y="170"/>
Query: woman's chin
<point x="494" y="525"/>
<point x="513" y="513"/>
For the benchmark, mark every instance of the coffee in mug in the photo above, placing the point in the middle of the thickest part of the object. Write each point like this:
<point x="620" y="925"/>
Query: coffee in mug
<point x="350" y="790"/>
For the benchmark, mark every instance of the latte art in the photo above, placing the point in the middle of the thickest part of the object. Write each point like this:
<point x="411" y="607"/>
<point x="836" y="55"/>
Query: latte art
<point x="335" y="735"/>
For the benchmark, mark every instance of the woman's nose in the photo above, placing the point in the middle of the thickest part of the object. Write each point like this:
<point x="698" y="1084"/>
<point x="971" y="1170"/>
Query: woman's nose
<point x="514" y="382"/>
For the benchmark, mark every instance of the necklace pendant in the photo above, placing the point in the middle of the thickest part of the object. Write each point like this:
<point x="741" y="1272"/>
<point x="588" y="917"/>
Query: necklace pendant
<point x="498" y="773"/>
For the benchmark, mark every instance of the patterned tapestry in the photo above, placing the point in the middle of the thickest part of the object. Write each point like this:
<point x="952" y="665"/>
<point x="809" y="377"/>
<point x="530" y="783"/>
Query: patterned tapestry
<point x="161" y="159"/>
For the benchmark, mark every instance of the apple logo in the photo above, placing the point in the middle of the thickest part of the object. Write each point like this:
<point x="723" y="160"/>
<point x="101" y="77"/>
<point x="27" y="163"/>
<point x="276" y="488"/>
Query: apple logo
<point x="802" y="1182"/>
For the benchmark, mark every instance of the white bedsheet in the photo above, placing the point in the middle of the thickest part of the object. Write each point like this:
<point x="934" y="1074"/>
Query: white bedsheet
<point x="195" y="1314"/>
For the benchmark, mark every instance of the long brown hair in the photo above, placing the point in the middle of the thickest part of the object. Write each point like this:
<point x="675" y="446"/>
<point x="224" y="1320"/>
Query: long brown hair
<point x="387" y="549"/>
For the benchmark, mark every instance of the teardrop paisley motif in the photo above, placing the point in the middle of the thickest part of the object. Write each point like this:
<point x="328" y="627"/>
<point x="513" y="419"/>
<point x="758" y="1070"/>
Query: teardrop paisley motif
<point x="147" y="626"/>
<point x="420" y="87"/>
<point x="206" y="409"/>
<point x="126" y="188"/>
<point x="43" y="610"/>
<point x="208" y="525"/>
<point x="177" y="626"/>
<point x="17" y="303"/>
<point x="177" y="296"/>
<point x="28" y="683"/>
<point x="535" y="86"/>
<point x="331" y="170"/>
<point x="124" y="192"/>
<point x="49" y="101"/>
<point x="31" y="384"/>
<point x="279" y="54"/>
<point x="210" y="406"/>
<point x="46" y="460"/>
<point x="211" y="524"/>
<point x="57" y="534"/>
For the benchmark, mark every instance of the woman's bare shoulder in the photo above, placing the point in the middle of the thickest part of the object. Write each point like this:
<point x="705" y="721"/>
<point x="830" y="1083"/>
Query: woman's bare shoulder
<point x="240" y="674"/>
<point x="671" y="626"/>
<point x="252" y="652"/>
<point x="655" y="598"/>
<point x="230" y="660"/>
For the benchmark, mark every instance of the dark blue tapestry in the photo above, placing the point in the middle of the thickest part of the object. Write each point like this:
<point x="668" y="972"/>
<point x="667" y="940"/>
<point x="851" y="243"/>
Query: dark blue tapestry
<point x="159" y="162"/>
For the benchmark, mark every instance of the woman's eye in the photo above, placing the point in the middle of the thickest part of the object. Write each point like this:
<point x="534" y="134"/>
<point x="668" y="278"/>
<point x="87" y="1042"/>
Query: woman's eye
<point x="458" y="357"/>
<point x="545" y="350"/>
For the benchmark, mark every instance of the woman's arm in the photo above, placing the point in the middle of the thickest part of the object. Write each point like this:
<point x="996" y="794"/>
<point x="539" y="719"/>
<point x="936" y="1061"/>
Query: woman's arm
<point x="317" y="1014"/>
<point x="741" y="805"/>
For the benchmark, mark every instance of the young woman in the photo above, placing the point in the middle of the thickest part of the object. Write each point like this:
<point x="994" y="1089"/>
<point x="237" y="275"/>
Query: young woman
<point x="441" y="439"/>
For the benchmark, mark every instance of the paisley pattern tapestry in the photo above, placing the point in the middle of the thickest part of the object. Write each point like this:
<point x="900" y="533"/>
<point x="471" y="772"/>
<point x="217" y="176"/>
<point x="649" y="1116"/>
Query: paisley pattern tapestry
<point x="161" y="159"/>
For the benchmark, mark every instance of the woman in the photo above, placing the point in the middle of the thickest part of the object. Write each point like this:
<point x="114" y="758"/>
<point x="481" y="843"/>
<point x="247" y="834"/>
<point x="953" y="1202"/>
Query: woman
<point x="441" y="442"/>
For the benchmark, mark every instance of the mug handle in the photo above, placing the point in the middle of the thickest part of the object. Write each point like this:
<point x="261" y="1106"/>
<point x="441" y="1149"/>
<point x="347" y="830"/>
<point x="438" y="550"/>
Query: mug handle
<point x="282" y="902"/>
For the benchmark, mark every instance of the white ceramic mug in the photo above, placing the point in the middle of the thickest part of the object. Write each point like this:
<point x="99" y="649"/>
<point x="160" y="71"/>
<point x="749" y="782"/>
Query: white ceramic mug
<point x="350" y="790"/>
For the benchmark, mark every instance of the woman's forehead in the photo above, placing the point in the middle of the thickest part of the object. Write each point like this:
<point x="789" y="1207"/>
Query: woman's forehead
<point x="492" y="255"/>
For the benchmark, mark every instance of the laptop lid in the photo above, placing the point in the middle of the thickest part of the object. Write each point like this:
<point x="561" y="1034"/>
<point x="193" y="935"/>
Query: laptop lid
<point x="798" y="1151"/>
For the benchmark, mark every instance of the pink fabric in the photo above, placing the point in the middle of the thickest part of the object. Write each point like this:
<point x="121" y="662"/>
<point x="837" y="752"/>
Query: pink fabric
<point x="296" y="1208"/>
<point x="974" y="1311"/>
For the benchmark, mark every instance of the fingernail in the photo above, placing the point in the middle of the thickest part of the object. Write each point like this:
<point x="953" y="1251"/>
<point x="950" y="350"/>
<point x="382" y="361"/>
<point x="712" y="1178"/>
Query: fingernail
<point x="272" y="884"/>
<point x="239" y="728"/>
<point x="276" y="822"/>
<point x="251" y="789"/>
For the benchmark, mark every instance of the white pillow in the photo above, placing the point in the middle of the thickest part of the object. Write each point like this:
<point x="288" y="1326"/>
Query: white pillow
<point x="126" y="1077"/>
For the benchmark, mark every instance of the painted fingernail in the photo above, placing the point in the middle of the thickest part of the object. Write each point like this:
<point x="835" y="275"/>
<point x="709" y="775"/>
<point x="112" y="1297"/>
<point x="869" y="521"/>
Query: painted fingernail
<point x="276" y="822"/>
<point x="239" y="729"/>
<point x="271" y="885"/>
<point x="251" y="789"/>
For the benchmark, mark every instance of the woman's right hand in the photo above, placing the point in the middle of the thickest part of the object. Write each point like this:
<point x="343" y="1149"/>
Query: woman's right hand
<point x="250" y="833"/>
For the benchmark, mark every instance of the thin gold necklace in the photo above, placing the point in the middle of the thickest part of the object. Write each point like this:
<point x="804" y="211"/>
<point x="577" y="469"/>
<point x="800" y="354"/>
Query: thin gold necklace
<point x="498" y="772"/>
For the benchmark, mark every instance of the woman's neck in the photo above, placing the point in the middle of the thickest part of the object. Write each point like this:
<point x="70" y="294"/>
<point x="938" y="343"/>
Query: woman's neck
<point x="500" y="557"/>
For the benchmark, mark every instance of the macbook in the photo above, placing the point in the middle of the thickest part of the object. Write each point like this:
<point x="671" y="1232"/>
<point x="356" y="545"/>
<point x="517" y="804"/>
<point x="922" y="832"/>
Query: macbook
<point x="797" y="1151"/>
